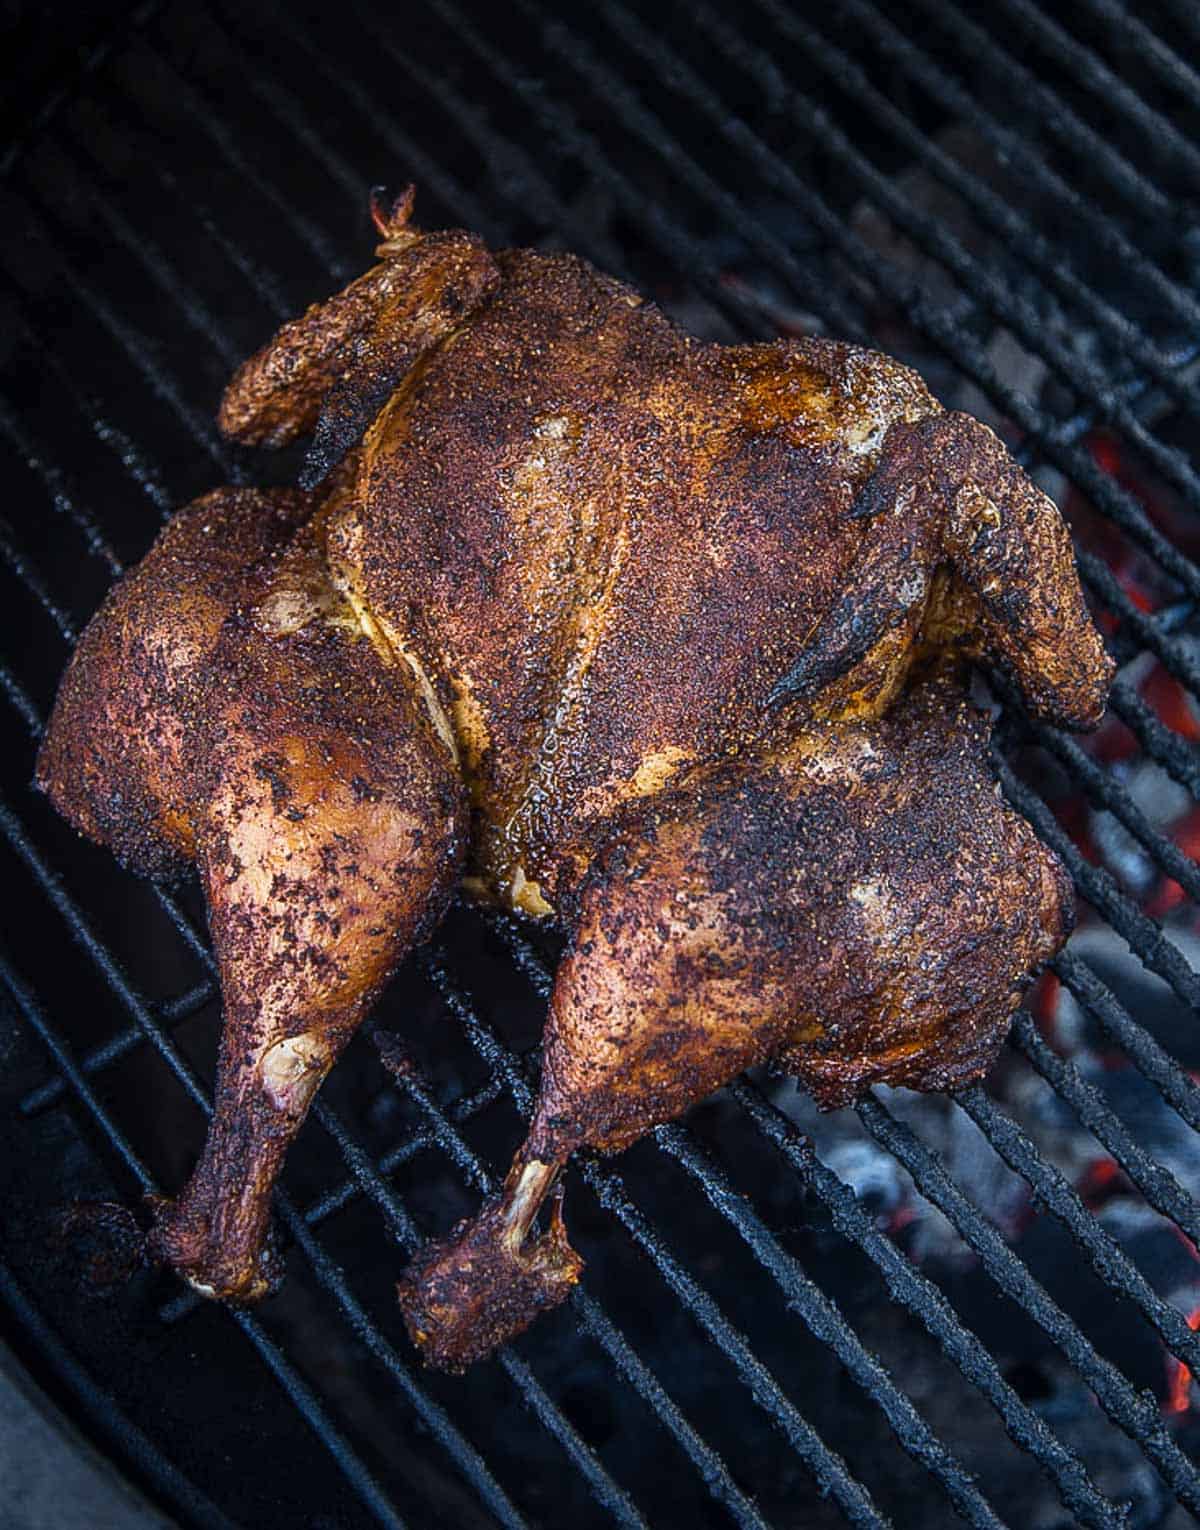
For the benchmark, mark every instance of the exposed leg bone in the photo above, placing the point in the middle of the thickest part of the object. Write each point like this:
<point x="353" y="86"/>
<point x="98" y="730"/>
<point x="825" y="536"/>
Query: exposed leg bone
<point x="471" y="1292"/>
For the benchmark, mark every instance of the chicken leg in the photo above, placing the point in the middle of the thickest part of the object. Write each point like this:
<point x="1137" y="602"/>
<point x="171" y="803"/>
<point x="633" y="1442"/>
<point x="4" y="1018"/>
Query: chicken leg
<point x="226" y="708"/>
<point x="857" y="903"/>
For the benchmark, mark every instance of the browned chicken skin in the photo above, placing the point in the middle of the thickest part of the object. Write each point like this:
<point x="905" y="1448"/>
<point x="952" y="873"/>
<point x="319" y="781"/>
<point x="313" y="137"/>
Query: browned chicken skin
<point x="654" y="639"/>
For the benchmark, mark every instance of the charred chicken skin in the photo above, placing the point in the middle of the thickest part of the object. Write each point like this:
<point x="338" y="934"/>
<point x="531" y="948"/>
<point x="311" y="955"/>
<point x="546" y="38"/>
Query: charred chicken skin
<point x="657" y="640"/>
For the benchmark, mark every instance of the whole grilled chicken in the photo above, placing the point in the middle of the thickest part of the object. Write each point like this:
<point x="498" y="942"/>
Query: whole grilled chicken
<point x="655" y="639"/>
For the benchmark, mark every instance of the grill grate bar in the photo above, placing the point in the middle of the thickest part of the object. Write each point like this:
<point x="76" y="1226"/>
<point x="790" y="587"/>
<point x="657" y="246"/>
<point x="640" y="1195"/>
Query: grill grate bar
<point x="1105" y="790"/>
<point x="565" y="137"/>
<point x="827" y="1467"/>
<point x="472" y="1465"/>
<point x="116" y="114"/>
<point x="1081" y="62"/>
<point x="208" y="118"/>
<point x="32" y="580"/>
<point x="97" y="55"/>
<point x="983" y="283"/>
<point x="306" y="1402"/>
<point x="1009" y="145"/>
<point x="360" y="1167"/>
<point x="350" y="1190"/>
<point x="275" y="95"/>
<point x="296" y="1388"/>
<point x="95" y="189"/>
<point x="708" y="1463"/>
<point x="1102" y="891"/>
<point x="77" y="922"/>
<point x="824" y="1319"/>
<point x="1053" y="263"/>
<point x="1134" y="1412"/>
<point x="1158" y="1185"/>
<point x="409" y="1146"/>
<point x="404" y="1231"/>
<point x="89" y="408"/>
<point x="21" y="704"/>
<point x="1150" y="632"/>
<point x="983" y="286"/>
<point x="1055" y="117"/>
<point x="140" y="352"/>
<point x="509" y="161"/>
<point x="921" y="1297"/>
<point x="99" y="1059"/>
<point x="1184" y="15"/>
<point x="1180" y="1091"/>
<point x="67" y="1068"/>
<point x="55" y="484"/>
<point x="541" y="198"/>
<point x="1110" y="1262"/>
<point x="759" y="238"/>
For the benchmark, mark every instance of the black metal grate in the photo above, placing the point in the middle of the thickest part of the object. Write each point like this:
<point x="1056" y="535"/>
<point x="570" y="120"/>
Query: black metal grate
<point x="202" y="175"/>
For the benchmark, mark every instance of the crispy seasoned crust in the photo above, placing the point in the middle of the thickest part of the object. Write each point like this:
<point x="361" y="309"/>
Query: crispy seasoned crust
<point x="469" y="1293"/>
<point x="616" y="551"/>
<point x="857" y="901"/>
<point x="634" y="534"/>
<point x="680" y="625"/>
<point x="333" y="370"/>
<point x="114" y="759"/>
<point x="330" y="839"/>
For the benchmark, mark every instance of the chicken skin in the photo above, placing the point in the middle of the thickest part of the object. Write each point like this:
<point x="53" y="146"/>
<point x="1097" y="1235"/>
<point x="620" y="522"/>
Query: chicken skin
<point x="656" y="640"/>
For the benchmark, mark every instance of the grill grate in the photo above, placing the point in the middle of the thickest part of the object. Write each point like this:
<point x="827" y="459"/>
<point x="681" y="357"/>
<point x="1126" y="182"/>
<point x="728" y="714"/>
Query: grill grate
<point x="573" y="149"/>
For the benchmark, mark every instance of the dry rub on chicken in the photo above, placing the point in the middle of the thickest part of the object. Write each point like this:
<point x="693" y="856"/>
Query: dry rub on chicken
<point x="657" y="640"/>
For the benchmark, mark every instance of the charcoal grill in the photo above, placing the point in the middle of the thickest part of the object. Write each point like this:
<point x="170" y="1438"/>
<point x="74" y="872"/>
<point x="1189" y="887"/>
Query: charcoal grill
<point x="914" y="1312"/>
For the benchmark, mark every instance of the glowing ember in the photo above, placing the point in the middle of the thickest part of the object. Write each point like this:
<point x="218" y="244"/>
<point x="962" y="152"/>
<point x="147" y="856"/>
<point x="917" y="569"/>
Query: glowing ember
<point x="1179" y="1377"/>
<point x="1099" y="1180"/>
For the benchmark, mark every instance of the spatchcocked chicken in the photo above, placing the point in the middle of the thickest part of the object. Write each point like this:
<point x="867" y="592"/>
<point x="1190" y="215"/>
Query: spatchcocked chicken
<point x="660" y="641"/>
